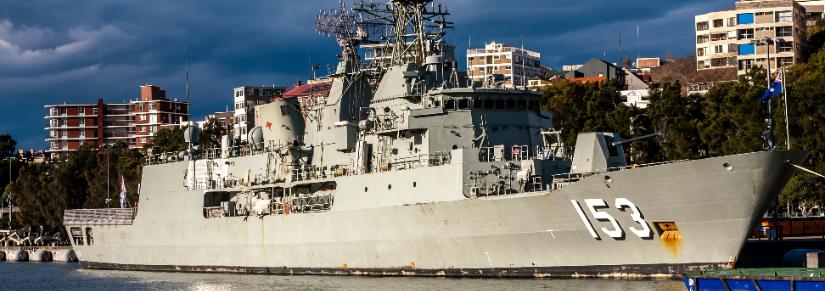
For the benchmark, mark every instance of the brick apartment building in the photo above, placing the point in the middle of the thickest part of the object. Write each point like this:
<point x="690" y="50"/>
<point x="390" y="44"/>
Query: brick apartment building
<point x="152" y="111"/>
<point x="134" y="123"/>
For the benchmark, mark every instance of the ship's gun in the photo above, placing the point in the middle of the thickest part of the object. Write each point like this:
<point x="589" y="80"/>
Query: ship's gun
<point x="646" y="136"/>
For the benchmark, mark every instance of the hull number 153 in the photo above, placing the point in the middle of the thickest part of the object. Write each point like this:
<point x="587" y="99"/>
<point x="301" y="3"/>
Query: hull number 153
<point x="595" y="207"/>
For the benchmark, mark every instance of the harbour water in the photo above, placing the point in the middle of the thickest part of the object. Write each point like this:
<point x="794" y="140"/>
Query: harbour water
<point x="67" y="276"/>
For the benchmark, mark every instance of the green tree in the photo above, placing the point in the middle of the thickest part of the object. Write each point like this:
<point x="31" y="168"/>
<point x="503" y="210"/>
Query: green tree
<point x="211" y="134"/>
<point x="114" y="163"/>
<point x="804" y="191"/>
<point x="7" y="146"/>
<point x="586" y="107"/>
<point x="816" y="37"/>
<point x="676" y="117"/>
<point x="169" y="140"/>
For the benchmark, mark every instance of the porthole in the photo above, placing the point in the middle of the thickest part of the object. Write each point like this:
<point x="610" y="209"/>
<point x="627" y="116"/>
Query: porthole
<point x="414" y="184"/>
<point x="365" y="189"/>
<point x="389" y="186"/>
<point x="728" y="166"/>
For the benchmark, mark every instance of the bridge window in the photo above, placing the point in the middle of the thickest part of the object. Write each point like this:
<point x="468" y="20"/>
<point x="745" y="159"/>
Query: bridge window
<point x="77" y="235"/>
<point x="499" y="104"/>
<point x="89" y="238"/>
<point x="510" y="104"/>
<point x="450" y="104"/>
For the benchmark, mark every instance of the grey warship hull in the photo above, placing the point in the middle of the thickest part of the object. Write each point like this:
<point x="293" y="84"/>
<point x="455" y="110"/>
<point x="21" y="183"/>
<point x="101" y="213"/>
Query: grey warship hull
<point x="712" y="203"/>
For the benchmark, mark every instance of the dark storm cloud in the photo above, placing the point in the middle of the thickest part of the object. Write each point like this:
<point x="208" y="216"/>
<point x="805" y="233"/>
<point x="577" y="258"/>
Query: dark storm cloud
<point x="78" y="51"/>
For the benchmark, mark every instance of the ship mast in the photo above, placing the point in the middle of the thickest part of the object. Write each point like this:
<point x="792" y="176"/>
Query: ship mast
<point x="405" y="26"/>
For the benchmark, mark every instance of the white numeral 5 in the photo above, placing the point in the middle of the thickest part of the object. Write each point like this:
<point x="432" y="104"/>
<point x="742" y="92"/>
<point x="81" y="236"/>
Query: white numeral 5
<point x="594" y="205"/>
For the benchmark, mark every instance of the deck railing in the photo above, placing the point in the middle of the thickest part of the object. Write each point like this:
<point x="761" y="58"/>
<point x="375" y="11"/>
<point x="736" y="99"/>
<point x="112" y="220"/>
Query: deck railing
<point x="103" y="216"/>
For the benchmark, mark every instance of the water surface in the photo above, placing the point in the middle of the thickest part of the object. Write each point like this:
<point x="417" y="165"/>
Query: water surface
<point x="63" y="276"/>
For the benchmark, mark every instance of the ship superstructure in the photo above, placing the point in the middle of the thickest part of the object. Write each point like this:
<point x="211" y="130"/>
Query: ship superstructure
<point x="406" y="169"/>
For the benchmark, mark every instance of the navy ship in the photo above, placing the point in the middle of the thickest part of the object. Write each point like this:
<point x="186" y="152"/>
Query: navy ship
<point x="407" y="169"/>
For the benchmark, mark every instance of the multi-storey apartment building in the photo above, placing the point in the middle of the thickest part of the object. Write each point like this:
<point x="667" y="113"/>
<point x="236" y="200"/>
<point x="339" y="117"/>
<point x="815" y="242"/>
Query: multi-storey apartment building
<point x="514" y="65"/>
<point x="814" y="10"/>
<point x="134" y="123"/>
<point x="152" y="111"/>
<point x="740" y="37"/>
<point x="246" y="98"/>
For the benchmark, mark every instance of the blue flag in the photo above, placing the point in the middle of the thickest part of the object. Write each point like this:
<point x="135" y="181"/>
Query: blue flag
<point x="775" y="88"/>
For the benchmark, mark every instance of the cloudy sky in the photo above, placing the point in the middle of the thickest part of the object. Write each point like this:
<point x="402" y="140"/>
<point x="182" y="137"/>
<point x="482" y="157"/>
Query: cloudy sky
<point x="56" y="51"/>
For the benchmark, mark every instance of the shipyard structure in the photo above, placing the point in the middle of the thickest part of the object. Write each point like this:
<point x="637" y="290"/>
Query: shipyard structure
<point x="404" y="167"/>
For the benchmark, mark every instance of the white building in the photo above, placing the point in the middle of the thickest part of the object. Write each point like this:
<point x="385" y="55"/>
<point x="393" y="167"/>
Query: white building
<point x="246" y="98"/>
<point x="502" y="64"/>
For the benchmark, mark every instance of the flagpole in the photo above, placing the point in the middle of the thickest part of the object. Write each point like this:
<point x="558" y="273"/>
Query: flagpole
<point x="787" y="123"/>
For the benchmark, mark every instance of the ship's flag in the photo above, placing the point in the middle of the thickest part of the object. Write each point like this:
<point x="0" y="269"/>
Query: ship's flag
<point x="775" y="88"/>
<point x="122" y="192"/>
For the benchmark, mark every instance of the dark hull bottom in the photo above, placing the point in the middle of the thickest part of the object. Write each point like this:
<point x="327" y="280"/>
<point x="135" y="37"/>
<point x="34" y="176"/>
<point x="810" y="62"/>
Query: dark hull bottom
<point x="605" y="271"/>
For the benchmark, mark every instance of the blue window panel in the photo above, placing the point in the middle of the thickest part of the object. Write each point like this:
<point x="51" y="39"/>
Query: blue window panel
<point x="744" y="285"/>
<point x="710" y="284"/>
<point x="744" y="18"/>
<point x="747" y="49"/>
<point x="774" y="285"/>
<point x="809" y="285"/>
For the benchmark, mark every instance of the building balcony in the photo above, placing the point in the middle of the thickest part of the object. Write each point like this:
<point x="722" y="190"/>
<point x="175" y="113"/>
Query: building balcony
<point x="49" y="116"/>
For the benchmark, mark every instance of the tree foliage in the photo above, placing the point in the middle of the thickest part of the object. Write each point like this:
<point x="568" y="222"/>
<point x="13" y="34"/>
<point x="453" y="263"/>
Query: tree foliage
<point x="211" y="134"/>
<point x="44" y="190"/>
<point x="727" y="120"/>
<point x="169" y="140"/>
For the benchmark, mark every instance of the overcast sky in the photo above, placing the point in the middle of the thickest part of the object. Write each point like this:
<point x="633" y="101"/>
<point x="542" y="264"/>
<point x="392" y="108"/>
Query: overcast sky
<point x="56" y="51"/>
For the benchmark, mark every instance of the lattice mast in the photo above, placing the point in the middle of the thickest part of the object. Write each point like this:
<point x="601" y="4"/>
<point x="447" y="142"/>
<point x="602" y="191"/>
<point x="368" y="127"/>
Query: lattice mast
<point x="342" y="24"/>
<point x="406" y="26"/>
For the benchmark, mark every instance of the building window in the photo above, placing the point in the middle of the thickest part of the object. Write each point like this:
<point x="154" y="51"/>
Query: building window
<point x="81" y="111"/>
<point x="732" y="47"/>
<point x="731" y="21"/>
<point x="784" y="31"/>
<point x="82" y="122"/>
<point x="745" y="65"/>
<point x="784" y="16"/>
<point x="701" y="26"/>
<point x="782" y="62"/>
<point x="718" y="49"/>
<point x="784" y="46"/>
<point x="744" y="18"/>
<point x="745" y="33"/>
<point x="718" y="36"/>
<point x="718" y="22"/>
<point x="702" y="38"/>
<point x="746" y="49"/>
